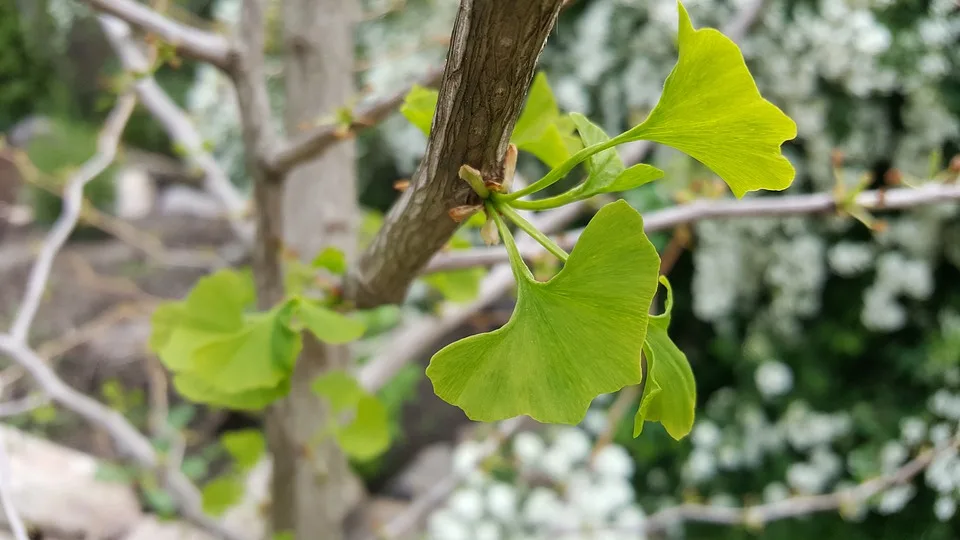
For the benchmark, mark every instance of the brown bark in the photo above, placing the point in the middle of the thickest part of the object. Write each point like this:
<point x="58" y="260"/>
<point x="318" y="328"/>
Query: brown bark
<point x="493" y="53"/>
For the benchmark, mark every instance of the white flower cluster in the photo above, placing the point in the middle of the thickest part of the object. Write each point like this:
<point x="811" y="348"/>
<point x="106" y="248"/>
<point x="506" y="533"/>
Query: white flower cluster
<point x="560" y="488"/>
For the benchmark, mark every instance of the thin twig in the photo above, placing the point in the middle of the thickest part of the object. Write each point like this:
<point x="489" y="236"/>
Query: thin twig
<point x="781" y="206"/>
<point x="23" y="405"/>
<point x="199" y="44"/>
<point x="72" y="205"/>
<point x="177" y="124"/>
<point x="6" y="499"/>
<point x="311" y="143"/>
<point x="759" y="515"/>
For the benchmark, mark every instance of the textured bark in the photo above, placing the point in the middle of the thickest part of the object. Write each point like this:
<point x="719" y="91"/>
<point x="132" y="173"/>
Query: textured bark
<point x="313" y="487"/>
<point x="493" y="53"/>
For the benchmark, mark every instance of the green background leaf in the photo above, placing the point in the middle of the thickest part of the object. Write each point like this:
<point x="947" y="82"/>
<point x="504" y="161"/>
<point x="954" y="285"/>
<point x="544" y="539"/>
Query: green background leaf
<point x="220" y="494"/>
<point x="340" y="388"/>
<point x="368" y="435"/>
<point x="246" y="447"/>
<point x="569" y="340"/>
<point x="328" y="325"/>
<point x="419" y="106"/>
<point x="331" y="259"/>
<point x="541" y="130"/>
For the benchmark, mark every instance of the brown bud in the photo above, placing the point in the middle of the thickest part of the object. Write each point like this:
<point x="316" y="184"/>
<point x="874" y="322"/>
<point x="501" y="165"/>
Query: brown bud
<point x="460" y="213"/>
<point x="955" y="164"/>
<point x="893" y="177"/>
<point x="401" y="185"/>
<point x="836" y="158"/>
<point x="509" y="167"/>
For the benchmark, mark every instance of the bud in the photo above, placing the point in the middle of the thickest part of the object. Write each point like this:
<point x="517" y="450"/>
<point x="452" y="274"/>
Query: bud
<point x="489" y="232"/>
<point x="836" y="158"/>
<point x="473" y="177"/>
<point x="955" y="164"/>
<point x="460" y="213"/>
<point x="509" y="167"/>
<point x="401" y="185"/>
<point x="893" y="177"/>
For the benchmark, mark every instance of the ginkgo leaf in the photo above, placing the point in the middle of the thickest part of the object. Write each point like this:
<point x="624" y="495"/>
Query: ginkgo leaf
<point x="340" y="388"/>
<point x="419" y="106"/>
<point x="332" y="259"/>
<point x="605" y="170"/>
<point x="328" y="325"/>
<point x="569" y="340"/>
<point x="670" y="392"/>
<point x="541" y="129"/>
<point x="712" y="110"/>
<point x="260" y="355"/>
<point x="217" y="301"/>
<point x="163" y="322"/>
<point x="245" y="446"/>
<point x="368" y="435"/>
<point x="200" y="391"/>
<point x="457" y="285"/>
<point x="220" y="494"/>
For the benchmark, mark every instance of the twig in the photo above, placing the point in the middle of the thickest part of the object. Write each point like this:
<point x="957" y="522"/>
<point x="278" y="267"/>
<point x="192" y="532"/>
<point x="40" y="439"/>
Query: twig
<point x="311" y="143"/>
<point x="759" y="515"/>
<point x="781" y="206"/>
<point x="199" y="44"/>
<point x="177" y="124"/>
<point x="6" y="499"/>
<point x="72" y="205"/>
<point x="23" y="405"/>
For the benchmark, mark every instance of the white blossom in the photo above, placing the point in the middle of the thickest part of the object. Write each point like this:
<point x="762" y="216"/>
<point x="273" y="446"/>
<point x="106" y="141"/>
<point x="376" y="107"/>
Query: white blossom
<point x="773" y="378"/>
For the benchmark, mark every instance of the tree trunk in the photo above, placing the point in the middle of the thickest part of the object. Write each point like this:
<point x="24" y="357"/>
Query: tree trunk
<point x="313" y="486"/>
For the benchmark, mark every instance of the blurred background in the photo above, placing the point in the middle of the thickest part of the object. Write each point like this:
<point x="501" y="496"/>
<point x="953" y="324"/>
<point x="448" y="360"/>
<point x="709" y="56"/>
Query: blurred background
<point x="826" y="352"/>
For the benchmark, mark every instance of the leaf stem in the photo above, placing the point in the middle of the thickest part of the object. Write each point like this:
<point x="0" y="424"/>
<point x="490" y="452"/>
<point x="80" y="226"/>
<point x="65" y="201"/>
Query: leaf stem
<point x="534" y="233"/>
<point x="547" y="203"/>
<point x="520" y="269"/>
<point x="561" y="170"/>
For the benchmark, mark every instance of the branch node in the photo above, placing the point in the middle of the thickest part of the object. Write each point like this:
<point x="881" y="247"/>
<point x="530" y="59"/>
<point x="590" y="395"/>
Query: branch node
<point x="473" y="177"/>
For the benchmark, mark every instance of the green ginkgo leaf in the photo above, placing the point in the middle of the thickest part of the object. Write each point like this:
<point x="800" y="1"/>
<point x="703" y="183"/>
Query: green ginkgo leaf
<point x="220" y="494"/>
<point x="328" y="325"/>
<point x="165" y="319"/>
<point x="419" y="106"/>
<point x="670" y="392"/>
<point x="712" y="110"/>
<point x="569" y="340"/>
<point x="245" y="446"/>
<point x="331" y="259"/>
<point x="541" y="129"/>
<point x="260" y="355"/>
<point x="634" y="177"/>
<point x="198" y="390"/>
<point x="368" y="435"/>
<point x="340" y="388"/>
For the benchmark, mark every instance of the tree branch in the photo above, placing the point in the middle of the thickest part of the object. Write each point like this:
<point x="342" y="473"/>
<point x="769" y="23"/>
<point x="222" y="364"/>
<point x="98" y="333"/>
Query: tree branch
<point x="310" y="144"/>
<point x="781" y="206"/>
<point x="177" y="124"/>
<point x="756" y="516"/>
<point x="6" y="498"/>
<point x="15" y="345"/>
<point x="188" y="40"/>
<point x="494" y="48"/>
<point x="72" y="205"/>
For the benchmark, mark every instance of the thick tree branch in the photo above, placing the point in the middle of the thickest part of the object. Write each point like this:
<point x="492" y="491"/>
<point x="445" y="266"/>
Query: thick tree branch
<point x="188" y="40"/>
<point x="494" y="48"/>
<point x="311" y="143"/>
<point x="177" y="124"/>
<point x="779" y="206"/>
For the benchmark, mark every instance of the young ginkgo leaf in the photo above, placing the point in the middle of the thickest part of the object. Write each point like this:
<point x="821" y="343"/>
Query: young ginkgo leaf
<point x="245" y="446"/>
<point x="569" y="340"/>
<point x="331" y="259"/>
<point x="419" y="106"/>
<point x="200" y="391"/>
<point x="220" y="494"/>
<point x="712" y="110"/>
<point x="260" y="355"/>
<point x="368" y="435"/>
<point x="340" y="388"/>
<point x="670" y="392"/>
<point x="541" y="129"/>
<point x="327" y="325"/>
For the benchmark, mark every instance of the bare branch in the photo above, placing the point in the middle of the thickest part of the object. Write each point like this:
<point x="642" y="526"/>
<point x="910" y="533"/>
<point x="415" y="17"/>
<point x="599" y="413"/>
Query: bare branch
<point x="781" y="206"/>
<point x="493" y="52"/>
<point x="177" y="124"/>
<point x="196" y="43"/>
<point x="72" y="205"/>
<point x="6" y="498"/>
<point x="23" y="405"/>
<point x="312" y="143"/>
<point x="756" y="516"/>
